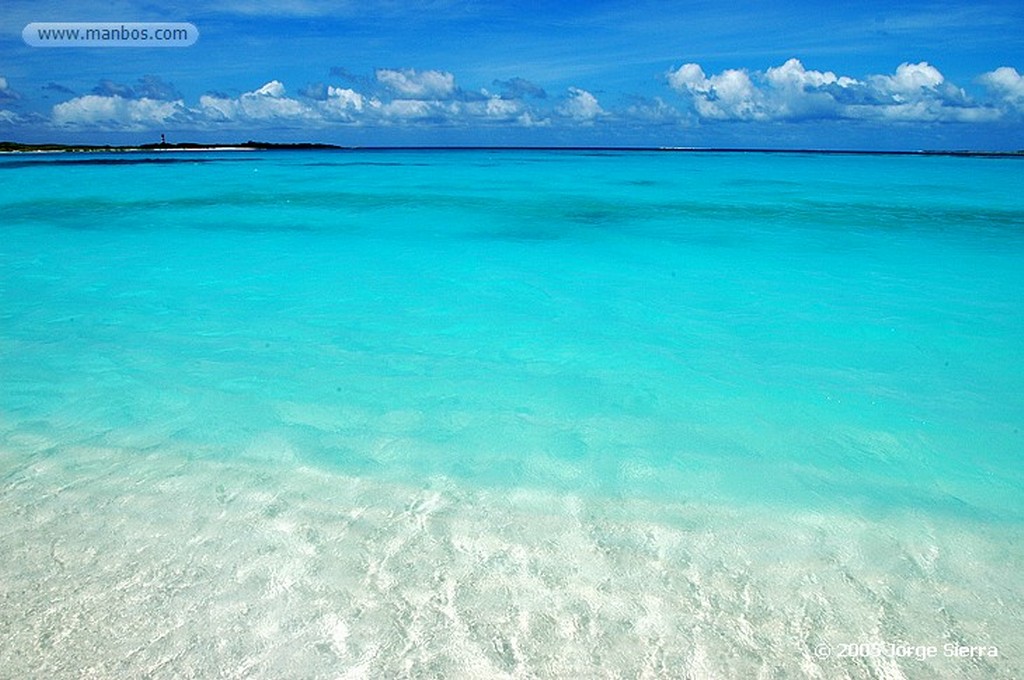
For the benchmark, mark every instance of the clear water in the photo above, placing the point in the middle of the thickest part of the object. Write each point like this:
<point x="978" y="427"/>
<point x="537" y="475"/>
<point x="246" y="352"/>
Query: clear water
<point x="510" y="414"/>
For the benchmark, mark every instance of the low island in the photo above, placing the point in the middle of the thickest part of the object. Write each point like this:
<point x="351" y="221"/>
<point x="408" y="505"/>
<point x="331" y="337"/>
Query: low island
<point x="250" y="145"/>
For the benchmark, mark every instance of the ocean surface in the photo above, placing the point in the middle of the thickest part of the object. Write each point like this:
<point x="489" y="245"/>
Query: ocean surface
<point x="511" y="414"/>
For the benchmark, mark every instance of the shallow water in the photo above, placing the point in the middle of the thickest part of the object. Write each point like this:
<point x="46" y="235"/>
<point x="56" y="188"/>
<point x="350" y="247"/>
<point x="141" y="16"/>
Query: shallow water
<point x="524" y="414"/>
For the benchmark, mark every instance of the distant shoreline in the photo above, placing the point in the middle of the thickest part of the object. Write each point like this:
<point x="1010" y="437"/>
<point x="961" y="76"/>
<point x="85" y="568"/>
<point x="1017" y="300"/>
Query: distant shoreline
<point x="18" y="148"/>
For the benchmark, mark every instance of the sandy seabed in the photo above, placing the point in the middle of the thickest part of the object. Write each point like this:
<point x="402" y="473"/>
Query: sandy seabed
<point x="158" y="564"/>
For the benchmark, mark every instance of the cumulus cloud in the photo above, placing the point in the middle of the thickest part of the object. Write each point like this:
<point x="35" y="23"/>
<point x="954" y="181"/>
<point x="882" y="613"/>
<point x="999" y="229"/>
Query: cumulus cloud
<point x="581" y="106"/>
<point x="794" y="92"/>
<point x="343" y="105"/>
<point x="117" y="112"/>
<point x="267" y="103"/>
<point x="412" y="84"/>
<point x="1006" y="84"/>
<point x="275" y="89"/>
<point x="914" y="92"/>
<point x="497" y="108"/>
<point x="150" y="103"/>
<point x="730" y="94"/>
<point x="911" y="81"/>
<point x="345" y="98"/>
<point x="793" y="75"/>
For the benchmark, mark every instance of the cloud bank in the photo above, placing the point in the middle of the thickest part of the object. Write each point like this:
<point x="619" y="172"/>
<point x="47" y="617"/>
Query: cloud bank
<point x="401" y="97"/>
<point x="790" y="92"/>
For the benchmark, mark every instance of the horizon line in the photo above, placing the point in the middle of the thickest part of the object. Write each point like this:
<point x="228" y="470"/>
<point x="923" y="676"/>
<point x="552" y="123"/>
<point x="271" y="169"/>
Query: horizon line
<point x="7" y="146"/>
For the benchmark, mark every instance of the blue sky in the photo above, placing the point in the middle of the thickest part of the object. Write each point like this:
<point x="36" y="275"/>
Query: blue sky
<point x="933" y="75"/>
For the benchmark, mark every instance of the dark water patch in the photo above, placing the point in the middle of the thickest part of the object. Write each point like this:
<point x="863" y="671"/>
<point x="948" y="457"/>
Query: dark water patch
<point x="238" y="210"/>
<point x="894" y="217"/>
<point x="342" y="200"/>
<point x="382" y="164"/>
<point x="734" y="223"/>
<point x="485" y="213"/>
<point x="12" y="165"/>
<point x="597" y="217"/>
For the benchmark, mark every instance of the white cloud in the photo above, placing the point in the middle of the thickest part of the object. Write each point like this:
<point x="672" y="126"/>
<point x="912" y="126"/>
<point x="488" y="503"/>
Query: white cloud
<point x="412" y="84"/>
<point x="343" y="105"/>
<point x="116" y="112"/>
<point x="1007" y="84"/>
<point x="581" y="106"/>
<point x="689" y="77"/>
<point x="793" y="92"/>
<point x="493" y="109"/>
<point x="911" y="82"/>
<point x="793" y="75"/>
<point x="345" y="98"/>
<point x="728" y="95"/>
<point x="915" y="92"/>
<point x="407" y="109"/>
<point x="735" y="97"/>
<point x="268" y="103"/>
<point x="272" y="89"/>
<point x="9" y="117"/>
<point x="218" y="108"/>
<point x="502" y="109"/>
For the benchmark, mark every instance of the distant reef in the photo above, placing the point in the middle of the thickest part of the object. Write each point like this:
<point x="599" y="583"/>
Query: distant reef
<point x="162" y="146"/>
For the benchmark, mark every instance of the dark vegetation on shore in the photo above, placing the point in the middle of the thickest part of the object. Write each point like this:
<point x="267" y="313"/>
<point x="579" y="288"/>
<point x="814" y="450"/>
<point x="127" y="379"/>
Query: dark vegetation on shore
<point x="161" y="146"/>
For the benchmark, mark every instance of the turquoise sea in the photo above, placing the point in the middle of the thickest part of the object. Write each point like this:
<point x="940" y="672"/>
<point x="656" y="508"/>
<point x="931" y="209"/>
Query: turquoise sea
<point x="511" y="414"/>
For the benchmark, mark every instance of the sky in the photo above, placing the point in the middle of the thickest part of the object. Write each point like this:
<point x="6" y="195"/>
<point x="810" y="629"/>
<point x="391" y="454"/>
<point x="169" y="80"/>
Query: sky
<point x="874" y="74"/>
